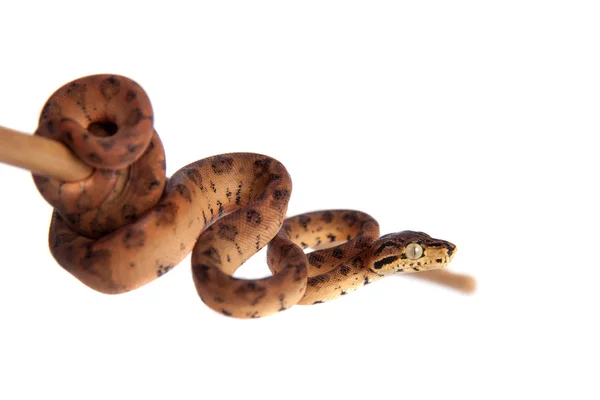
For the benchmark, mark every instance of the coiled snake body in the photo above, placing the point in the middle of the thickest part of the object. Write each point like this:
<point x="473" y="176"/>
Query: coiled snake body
<point x="127" y="224"/>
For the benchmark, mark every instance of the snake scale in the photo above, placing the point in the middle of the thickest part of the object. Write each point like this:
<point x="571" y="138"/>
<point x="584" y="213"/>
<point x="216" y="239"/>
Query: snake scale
<point x="127" y="224"/>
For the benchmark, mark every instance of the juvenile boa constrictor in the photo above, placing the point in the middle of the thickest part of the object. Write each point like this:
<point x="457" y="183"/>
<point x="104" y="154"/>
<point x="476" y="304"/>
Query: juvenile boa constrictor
<point x="126" y="224"/>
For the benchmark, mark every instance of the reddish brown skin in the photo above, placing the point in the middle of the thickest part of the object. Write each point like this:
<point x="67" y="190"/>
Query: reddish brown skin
<point x="127" y="224"/>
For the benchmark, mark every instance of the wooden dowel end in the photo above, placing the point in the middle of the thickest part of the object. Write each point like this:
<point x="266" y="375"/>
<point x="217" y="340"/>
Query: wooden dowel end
<point x="444" y="277"/>
<point x="41" y="156"/>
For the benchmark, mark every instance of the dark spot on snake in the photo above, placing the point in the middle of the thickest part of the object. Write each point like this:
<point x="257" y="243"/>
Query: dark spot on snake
<point x="343" y="293"/>
<point x="366" y="282"/>
<point x="438" y="260"/>
<point x="358" y="262"/>
<point x="213" y="255"/>
<point x="260" y="196"/>
<point x="304" y="220"/>
<point x="200" y="271"/>
<point x="362" y="242"/>
<point x="106" y="145"/>
<point x="344" y="270"/>
<point x="163" y="269"/>
<point x="318" y="302"/>
<point x="253" y="218"/>
<point x="153" y="184"/>
<point x="225" y="312"/>
<point x="63" y="238"/>
<point x="218" y="299"/>
<point x="261" y="167"/>
<point x="110" y="87"/>
<point x="134" y="117"/>
<point x="327" y="217"/>
<point x="316" y="259"/>
<point x="403" y="256"/>
<point x="194" y="175"/>
<point x="68" y="136"/>
<point x="222" y="164"/>
<point x="298" y="272"/>
<point x="166" y="212"/>
<point x="331" y="237"/>
<point x="315" y="280"/>
<point x="130" y="96"/>
<point x="132" y="148"/>
<point x="337" y="253"/>
<point x="182" y="246"/>
<point x="384" y="261"/>
<point x="50" y="127"/>
<point x="274" y="177"/>
<point x="128" y="213"/>
<point x="350" y="218"/>
<point x="221" y="209"/>
<point x="73" y="219"/>
<point x="238" y="193"/>
<point x="134" y="238"/>
<point x="184" y="191"/>
<point x="93" y="257"/>
<point x="251" y="292"/>
<point x="95" y="158"/>
<point x="281" y="194"/>
<point x="303" y="245"/>
<point x="228" y="232"/>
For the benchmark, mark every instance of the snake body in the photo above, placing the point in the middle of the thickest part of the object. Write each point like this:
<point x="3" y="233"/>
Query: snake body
<point x="127" y="224"/>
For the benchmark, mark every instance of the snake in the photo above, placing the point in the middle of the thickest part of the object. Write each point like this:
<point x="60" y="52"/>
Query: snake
<point x="128" y="224"/>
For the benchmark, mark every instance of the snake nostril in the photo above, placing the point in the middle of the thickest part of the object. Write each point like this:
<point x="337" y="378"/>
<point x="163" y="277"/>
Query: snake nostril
<point x="103" y="128"/>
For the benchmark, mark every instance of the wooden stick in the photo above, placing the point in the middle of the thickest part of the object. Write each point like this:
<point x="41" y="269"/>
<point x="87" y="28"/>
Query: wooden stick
<point x="444" y="277"/>
<point x="41" y="156"/>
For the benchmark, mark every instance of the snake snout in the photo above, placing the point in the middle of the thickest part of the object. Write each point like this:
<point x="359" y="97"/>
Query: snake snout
<point x="450" y="249"/>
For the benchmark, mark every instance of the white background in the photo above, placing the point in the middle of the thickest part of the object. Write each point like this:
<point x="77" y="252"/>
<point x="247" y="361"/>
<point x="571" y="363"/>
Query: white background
<point x="473" y="121"/>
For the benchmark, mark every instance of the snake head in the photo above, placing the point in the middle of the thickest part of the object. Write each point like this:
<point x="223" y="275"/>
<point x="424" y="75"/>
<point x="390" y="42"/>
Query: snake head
<point x="409" y="251"/>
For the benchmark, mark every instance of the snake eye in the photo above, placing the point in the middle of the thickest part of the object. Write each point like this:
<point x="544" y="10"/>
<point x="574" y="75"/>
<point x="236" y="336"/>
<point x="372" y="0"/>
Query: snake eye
<point x="414" y="251"/>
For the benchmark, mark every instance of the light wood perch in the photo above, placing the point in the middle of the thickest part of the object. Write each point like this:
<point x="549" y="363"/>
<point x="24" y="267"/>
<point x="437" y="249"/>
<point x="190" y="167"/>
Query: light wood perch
<point x="41" y="156"/>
